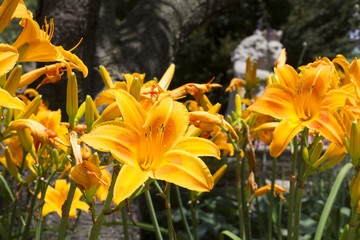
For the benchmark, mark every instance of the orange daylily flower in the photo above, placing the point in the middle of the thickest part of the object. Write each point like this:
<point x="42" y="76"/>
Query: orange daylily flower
<point x="153" y="145"/>
<point x="55" y="199"/>
<point x="40" y="49"/>
<point x="299" y="104"/>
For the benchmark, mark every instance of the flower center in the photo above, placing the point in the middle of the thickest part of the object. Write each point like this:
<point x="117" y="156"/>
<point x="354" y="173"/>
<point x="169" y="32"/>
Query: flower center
<point x="151" y="157"/>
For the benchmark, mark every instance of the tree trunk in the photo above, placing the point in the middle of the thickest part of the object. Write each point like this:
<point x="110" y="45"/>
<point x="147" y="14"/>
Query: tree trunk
<point x="145" y="41"/>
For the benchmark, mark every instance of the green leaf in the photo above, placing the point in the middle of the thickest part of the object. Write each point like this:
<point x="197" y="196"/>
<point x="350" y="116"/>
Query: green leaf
<point x="228" y="234"/>
<point x="7" y="187"/>
<point x="330" y="200"/>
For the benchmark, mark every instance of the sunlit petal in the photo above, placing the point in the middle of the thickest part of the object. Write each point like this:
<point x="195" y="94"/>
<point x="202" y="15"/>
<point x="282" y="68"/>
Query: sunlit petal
<point x="131" y="110"/>
<point x="276" y="101"/>
<point x="327" y="123"/>
<point x="128" y="180"/>
<point x="198" y="147"/>
<point x="287" y="76"/>
<point x="186" y="170"/>
<point x="8" y="57"/>
<point x="119" y="138"/>
<point x="284" y="132"/>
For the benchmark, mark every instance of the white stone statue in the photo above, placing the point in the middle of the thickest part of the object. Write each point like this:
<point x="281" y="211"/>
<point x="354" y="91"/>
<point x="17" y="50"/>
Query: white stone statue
<point x="263" y="47"/>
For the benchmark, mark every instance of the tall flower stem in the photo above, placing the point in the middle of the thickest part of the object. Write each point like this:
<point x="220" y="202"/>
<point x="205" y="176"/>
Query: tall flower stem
<point x="271" y="200"/>
<point x="292" y="189"/>
<point x="354" y="221"/>
<point x="193" y="208"/>
<point x="124" y="223"/>
<point x="298" y="204"/>
<point x="183" y="217"/>
<point x="245" y="210"/>
<point x="65" y="211"/>
<point x="95" y="230"/>
<point x="239" y="195"/>
<point x="153" y="215"/>
<point x="31" y="210"/>
<point x="168" y="211"/>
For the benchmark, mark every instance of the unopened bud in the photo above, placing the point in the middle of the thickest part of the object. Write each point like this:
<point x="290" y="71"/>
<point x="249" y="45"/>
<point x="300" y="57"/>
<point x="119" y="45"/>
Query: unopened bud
<point x="12" y="82"/>
<point x="106" y="77"/>
<point x="135" y="88"/>
<point x="354" y="150"/>
<point x="25" y="139"/>
<point x="315" y="155"/>
<point x="89" y="113"/>
<point x="305" y="155"/>
<point x="238" y="107"/>
<point x="31" y="108"/>
<point x="72" y="98"/>
<point x="10" y="165"/>
<point x="80" y="113"/>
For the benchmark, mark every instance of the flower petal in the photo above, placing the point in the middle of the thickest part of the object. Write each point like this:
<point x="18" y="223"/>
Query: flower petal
<point x="8" y="101"/>
<point x="287" y="76"/>
<point x="327" y="123"/>
<point x="276" y="101"/>
<point x="186" y="170"/>
<point x="198" y="147"/>
<point x="119" y="138"/>
<point x="173" y="116"/>
<point x="128" y="180"/>
<point x="131" y="110"/>
<point x="8" y="57"/>
<point x="284" y="132"/>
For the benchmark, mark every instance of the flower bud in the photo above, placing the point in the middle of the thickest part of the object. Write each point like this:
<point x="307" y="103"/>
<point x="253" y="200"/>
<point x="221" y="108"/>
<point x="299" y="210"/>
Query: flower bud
<point x="12" y="82"/>
<point x="25" y="139"/>
<point x="305" y="155"/>
<point x="10" y="165"/>
<point x="31" y="108"/>
<point x="238" y="106"/>
<point x="89" y="113"/>
<point x="72" y="98"/>
<point x="315" y="155"/>
<point x="80" y="113"/>
<point x="135" y="88"/>
<point x="353" y="149"/>
<point x="106" y="77"/>
<point x="167" y="77"/>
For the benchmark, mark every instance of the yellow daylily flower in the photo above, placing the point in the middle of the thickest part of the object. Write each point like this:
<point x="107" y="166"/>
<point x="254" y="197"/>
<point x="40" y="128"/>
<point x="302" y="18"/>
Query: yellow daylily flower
<point x="299" y="102"/>
<point x="153" y="145"/>
<point x="40" y="49"/>
<point x="267" y="188"/>
<point x="55" y="198"/>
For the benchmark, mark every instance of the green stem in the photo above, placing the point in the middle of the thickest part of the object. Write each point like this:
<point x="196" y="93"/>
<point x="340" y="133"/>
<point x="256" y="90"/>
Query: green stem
<point x="65" y="211"/>
<point x="193" y="208"/>
<point x="298" y="203"/>
<point x="13" y="214"/>
<point x="354" y="221"/>
<point x="153" y="215"/>
<point x="183" y="217"/>
<point x="168" y="211"/>
<point x="244" y="203"/>
<point x="31" y="209"/>
<point x="124" y="224"/>
<point x="239" y="195"/>
<point x="271" y="200"/>
<point x="95" y="230"/>
<point x="330" y="200"/>
<point x="292" y="190"/>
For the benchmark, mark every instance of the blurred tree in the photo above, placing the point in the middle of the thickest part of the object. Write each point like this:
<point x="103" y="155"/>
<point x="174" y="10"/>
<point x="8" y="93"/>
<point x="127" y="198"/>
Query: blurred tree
<point x="143" y="37"/>
<point x="198" y="35"/>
